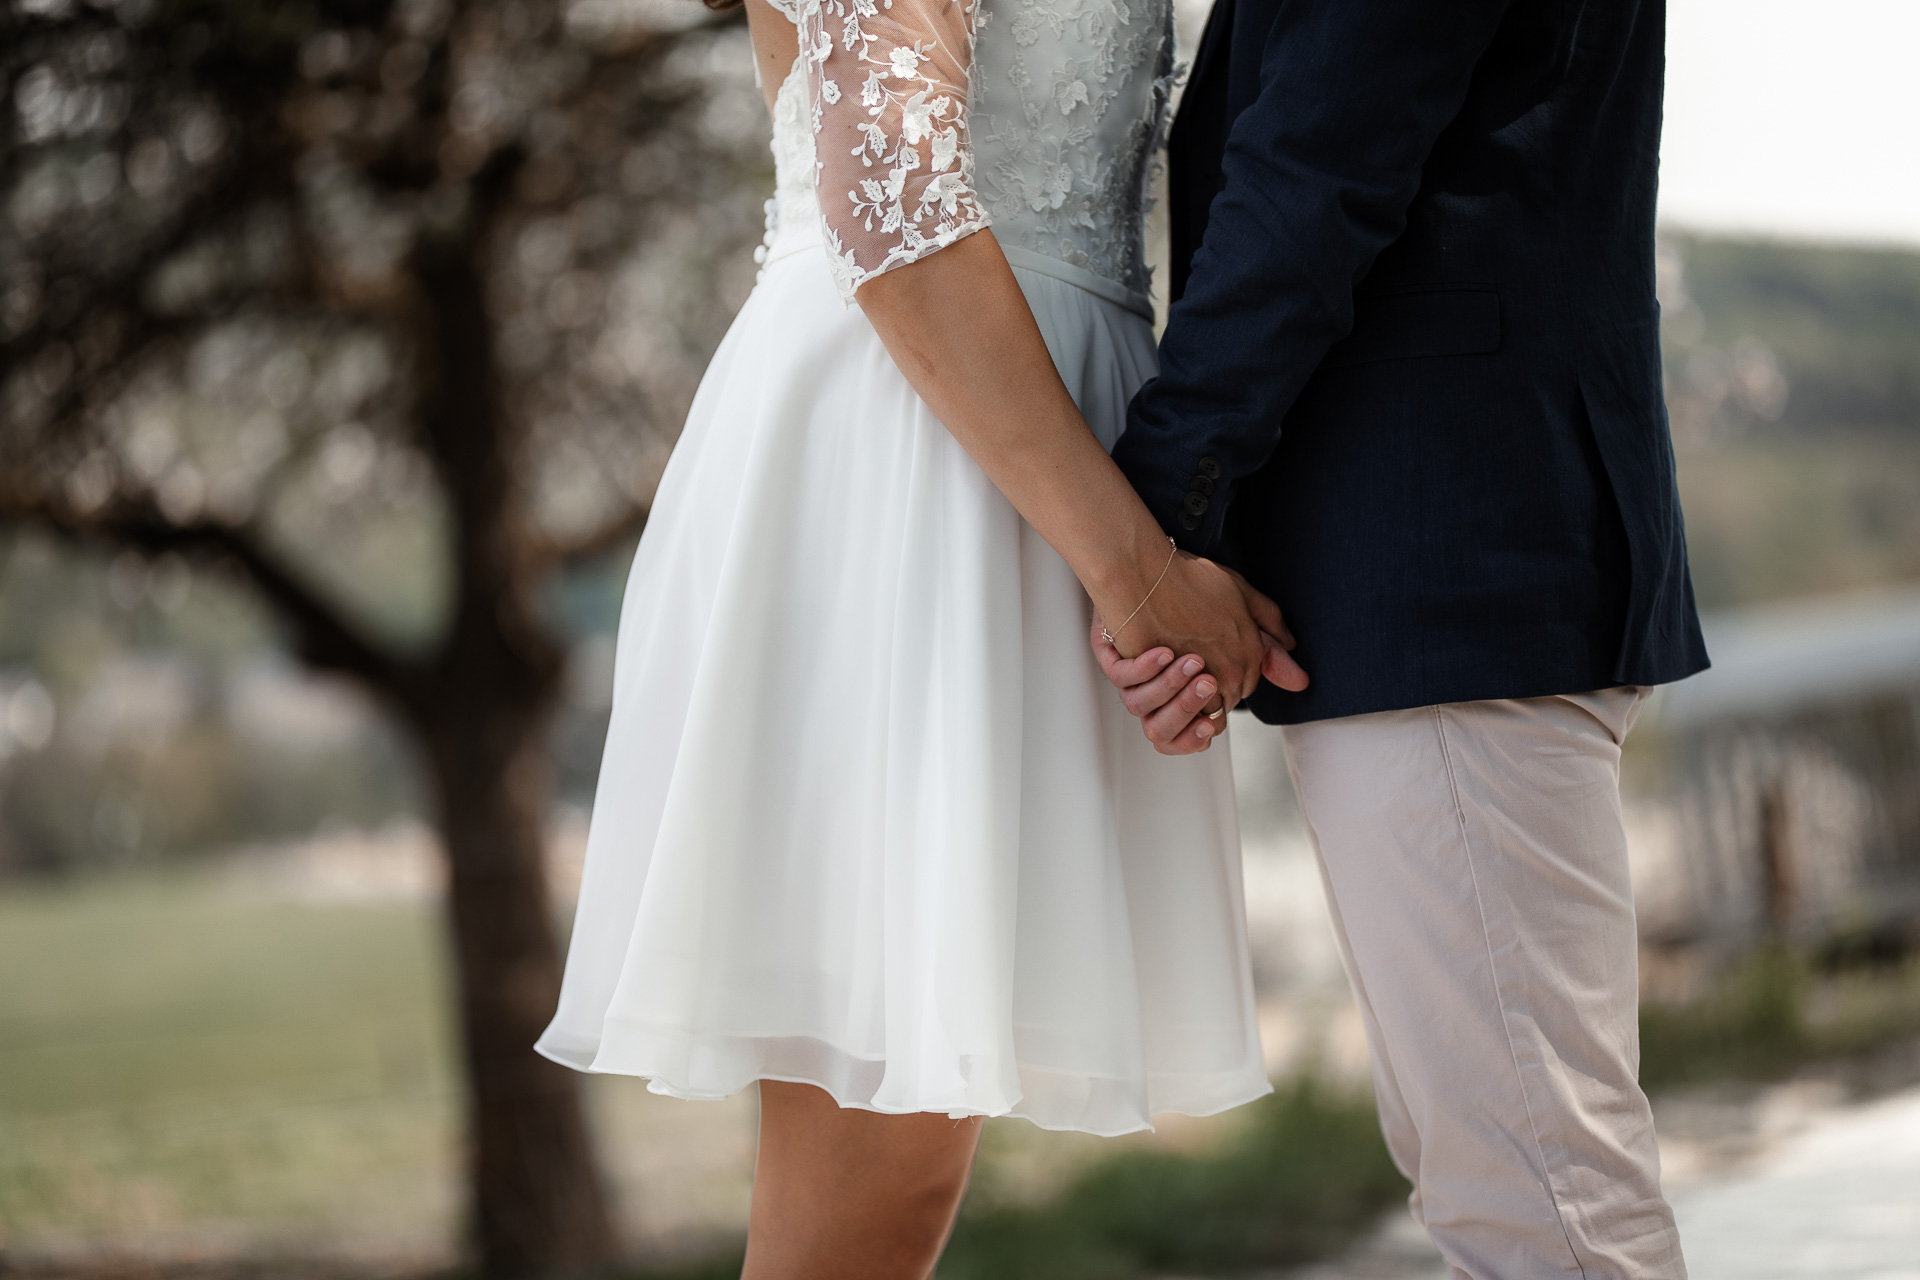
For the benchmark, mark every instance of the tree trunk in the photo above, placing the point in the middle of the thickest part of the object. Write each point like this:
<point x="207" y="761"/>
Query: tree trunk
<point x="537" y="1201"/>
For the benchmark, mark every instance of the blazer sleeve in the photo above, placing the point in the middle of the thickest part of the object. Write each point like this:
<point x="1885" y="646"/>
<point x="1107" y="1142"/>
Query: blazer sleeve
<point x="1319" y="172"/>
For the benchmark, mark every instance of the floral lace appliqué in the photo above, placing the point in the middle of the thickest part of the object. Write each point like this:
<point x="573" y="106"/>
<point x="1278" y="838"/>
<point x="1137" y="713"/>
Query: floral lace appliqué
<point x="916" y="122"/>
<point x="888" y="83"/>
<point x="1067" y="115"/>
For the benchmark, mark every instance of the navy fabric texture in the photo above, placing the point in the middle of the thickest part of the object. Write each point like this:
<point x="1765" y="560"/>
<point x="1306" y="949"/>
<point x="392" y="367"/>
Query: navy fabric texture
<point x="1410" y="384"/>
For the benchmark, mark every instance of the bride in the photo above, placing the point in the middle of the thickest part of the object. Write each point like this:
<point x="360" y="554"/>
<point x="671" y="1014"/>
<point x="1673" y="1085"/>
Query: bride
<point x="871" y="829"/>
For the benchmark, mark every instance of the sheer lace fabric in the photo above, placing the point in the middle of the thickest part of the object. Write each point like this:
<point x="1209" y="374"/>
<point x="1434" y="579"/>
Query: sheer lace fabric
<point x="888" y="93"/>
<point x="931" y="119"/>
<point x="1069" y="100"/>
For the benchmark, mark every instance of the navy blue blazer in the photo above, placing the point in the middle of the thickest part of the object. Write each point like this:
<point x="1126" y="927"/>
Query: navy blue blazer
<point x="1410" y="384"/>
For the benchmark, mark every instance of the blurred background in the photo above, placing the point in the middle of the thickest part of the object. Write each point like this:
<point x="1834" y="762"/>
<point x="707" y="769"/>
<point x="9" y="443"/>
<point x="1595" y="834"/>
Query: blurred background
<point x="341" y="345"/>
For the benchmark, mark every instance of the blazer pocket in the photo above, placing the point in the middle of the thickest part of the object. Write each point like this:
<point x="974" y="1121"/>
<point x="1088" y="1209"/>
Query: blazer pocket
<point x="1410" y="324"/>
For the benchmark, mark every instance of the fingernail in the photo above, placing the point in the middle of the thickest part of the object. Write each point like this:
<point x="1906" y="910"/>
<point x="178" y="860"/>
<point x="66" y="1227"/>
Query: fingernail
<point x="1192" y="667"/>
<point x="1205" y="689"/>
<point x="1163" y="657"/>
<point x="1203" y="731"/>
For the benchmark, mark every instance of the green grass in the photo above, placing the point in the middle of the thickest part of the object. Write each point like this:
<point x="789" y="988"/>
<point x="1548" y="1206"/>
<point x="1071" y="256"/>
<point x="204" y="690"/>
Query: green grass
<point x="178" y="1062"/>
<point x="1774" y="1012"/>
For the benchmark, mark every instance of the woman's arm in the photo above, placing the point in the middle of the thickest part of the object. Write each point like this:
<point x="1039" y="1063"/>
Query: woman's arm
<point x="959" y="328"/>
<point x="952" y="316"/>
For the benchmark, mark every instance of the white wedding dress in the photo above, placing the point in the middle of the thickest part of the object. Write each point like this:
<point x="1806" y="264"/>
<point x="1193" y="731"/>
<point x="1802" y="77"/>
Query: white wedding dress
<point x="869" y="817"/>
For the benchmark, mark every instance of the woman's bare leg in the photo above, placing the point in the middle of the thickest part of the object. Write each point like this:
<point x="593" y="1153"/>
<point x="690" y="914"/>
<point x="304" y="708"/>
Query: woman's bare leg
<point x="844" y="1194"/>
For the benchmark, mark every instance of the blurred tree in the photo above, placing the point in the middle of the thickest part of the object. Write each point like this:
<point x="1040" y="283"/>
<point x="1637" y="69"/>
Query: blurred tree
<point x="392" y="307"/>
<point x="1790" y="337"/>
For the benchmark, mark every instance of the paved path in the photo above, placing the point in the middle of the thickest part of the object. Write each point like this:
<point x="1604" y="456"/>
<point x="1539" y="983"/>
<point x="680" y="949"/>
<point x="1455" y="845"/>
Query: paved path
<point x="1835" y="1197"/>
<point x="1838" y="1201"/>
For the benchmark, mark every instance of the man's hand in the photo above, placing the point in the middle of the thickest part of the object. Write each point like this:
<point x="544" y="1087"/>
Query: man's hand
<point x="1170" y="697"/>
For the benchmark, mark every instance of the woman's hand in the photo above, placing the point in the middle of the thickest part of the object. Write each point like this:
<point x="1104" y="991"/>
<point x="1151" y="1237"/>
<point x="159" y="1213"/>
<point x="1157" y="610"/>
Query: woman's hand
<point x="1171" y="698"/>
<point x="1198" y="608"/>
<point x="1168" y="697"/>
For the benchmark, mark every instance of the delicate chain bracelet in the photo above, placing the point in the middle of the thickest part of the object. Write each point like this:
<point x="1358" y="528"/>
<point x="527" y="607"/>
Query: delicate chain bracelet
<point x="1112" y="637"/>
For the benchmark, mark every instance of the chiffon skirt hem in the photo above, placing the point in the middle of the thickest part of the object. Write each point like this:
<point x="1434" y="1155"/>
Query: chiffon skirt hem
<point x="711" y="1069"/>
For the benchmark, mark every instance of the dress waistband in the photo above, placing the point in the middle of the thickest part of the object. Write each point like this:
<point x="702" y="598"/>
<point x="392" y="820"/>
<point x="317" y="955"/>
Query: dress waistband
<point x="1097" y="285"/>
<point x="801" y="239"/>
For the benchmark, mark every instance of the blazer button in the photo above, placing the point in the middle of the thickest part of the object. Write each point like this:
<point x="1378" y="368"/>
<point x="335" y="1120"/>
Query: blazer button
<point x="1201" y="485"/>
<point x="1189" y="521"/>
<point x="1210" y="468"/>
<point x="1196" y="504"/>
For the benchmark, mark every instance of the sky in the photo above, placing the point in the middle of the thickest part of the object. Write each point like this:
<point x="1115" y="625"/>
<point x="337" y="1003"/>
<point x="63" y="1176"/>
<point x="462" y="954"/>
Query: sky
<point x="1797" y="118"/>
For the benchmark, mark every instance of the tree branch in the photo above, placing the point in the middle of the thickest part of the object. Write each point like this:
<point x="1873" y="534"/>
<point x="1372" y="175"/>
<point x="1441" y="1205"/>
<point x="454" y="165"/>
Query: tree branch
<point x="610" y="536"/>
<point x="323" y="636"/>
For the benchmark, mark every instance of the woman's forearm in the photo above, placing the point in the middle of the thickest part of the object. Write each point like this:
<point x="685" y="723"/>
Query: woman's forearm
<point x="960" y="329"/>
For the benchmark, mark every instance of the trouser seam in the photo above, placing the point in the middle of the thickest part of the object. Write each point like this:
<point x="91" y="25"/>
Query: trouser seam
<point x="1499" y="997"/>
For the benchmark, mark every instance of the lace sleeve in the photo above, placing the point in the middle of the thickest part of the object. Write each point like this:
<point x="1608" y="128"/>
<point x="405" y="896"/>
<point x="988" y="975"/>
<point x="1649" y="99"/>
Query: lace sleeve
<point x="887" y="81"/>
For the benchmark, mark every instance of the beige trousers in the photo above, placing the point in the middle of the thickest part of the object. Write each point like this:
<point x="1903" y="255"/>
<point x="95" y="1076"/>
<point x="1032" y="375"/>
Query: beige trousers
<point x="1476" y="869"/>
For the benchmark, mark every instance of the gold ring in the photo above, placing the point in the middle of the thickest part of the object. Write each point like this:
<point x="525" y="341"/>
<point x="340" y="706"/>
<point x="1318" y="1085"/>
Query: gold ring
<point x="1215" y="715"/>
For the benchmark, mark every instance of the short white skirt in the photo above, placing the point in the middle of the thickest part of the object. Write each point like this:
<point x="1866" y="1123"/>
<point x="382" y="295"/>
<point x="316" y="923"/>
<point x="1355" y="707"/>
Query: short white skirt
<point x="869" y="817"/>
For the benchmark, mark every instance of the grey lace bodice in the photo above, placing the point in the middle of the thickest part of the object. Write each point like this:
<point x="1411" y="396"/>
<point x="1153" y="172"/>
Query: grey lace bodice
<point x="918" y="122"/>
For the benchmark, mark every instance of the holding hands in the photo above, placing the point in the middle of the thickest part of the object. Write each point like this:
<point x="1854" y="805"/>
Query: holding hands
<point x="1230" y="636"/>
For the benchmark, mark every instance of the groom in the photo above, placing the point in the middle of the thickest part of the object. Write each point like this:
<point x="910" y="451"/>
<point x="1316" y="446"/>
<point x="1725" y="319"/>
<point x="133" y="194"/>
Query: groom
<point x="1410" y="387"/>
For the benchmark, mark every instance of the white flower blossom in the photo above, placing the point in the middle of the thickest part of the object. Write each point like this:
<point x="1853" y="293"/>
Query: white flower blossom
<point x="1051" y="191"/>
<point x="1069" y="90"/>
<point x="946" y="191"/>
<point x="946" y="149"/>
<point x="906" y="62"/>
<point x="916" y="118"/>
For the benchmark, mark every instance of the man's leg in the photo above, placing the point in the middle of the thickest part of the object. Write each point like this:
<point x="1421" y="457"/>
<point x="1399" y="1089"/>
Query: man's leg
<point x="1477" y="867"/>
